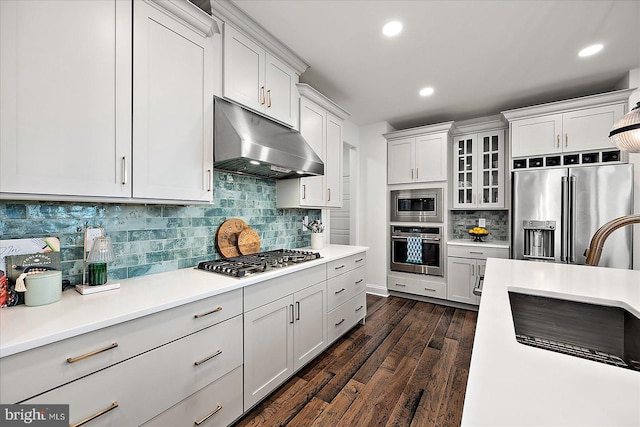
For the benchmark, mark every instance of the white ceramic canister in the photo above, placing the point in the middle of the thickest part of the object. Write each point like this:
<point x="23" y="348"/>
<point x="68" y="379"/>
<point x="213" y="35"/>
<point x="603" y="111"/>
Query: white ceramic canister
<point x="317" y="240"/>
<point x="43" y="288"/>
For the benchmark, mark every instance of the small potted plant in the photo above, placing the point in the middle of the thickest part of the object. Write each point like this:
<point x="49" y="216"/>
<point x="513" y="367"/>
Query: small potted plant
<point x="317" y="234"/>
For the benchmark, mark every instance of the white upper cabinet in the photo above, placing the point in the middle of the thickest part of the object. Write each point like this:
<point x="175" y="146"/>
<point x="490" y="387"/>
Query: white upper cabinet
<point x="172" y="107"/>
<point x="478" y="170"/>
<point x="255" y="78"/>
<point x="574" y="125"/>
<point x="65" y="110"/>
<point x="76" y="88"/>
<point x="321" y="125"/>
<point x="418" y="154"/>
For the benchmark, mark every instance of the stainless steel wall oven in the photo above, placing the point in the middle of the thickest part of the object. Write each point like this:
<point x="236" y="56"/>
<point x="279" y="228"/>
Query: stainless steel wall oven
<point x="417" y="250"/>
<point x="418" y="205"/>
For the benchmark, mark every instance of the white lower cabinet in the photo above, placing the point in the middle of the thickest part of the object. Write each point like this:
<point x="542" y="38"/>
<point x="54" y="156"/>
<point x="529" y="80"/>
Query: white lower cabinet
<point x="216" y="405"/>
<point x="281" y="336"/>
<point x="465" y="268"/>
<point x="346" y="296"/>
<point x="139" y="388"/>
<point x="428" y="286"/>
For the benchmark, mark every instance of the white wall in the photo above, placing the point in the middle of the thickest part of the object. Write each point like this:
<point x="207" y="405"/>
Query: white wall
<point x="373" y="202"/>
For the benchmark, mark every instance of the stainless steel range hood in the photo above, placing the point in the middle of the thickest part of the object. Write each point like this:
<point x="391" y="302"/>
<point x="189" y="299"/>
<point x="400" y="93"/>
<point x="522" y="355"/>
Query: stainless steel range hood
<point x="248" y="143"/>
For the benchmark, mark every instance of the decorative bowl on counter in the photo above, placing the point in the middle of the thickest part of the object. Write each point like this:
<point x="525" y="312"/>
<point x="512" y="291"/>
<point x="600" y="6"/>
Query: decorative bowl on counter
<point x="478" y="233"/>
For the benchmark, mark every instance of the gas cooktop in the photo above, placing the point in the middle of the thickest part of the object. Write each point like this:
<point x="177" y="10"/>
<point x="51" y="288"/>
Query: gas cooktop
<point x="245" y="265"/>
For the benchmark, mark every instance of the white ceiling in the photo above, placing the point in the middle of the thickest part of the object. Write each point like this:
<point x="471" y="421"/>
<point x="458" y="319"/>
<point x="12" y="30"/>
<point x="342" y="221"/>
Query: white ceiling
<point x="481" y="57"/>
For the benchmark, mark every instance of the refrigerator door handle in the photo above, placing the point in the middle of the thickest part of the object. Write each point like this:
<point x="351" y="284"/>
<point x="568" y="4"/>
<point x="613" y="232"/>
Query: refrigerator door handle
<point x="572" y="216"/>
<point x="564" y="215"/>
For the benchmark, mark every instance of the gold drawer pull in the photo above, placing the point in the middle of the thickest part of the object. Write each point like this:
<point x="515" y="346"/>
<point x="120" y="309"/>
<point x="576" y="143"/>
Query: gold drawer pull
<point x="200" y="362"/>
<point x="209" y="415"/>
<point x="93" y="353"/>
<point x="215" y="310"/>
<point x="340" y="322"/>
<point x="114" y="405"/>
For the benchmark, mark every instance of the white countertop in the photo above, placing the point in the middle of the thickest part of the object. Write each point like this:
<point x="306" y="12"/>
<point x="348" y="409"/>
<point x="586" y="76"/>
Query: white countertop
<point x="23" y="328"/>
<point x="500" y="244"/>
<point x="511" y="384"/>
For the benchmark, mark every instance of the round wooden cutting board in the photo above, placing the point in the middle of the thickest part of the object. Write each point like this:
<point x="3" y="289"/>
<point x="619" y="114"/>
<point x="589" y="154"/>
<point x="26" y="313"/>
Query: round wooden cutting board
<point x="249" y="241"/>
<point x="227" y="237"/>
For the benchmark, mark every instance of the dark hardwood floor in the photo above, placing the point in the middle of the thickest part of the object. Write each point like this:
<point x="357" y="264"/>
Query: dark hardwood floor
<point x="407" y="366"/>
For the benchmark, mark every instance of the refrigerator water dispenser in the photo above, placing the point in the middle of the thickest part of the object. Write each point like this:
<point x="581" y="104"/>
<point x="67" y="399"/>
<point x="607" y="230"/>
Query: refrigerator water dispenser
<point x="539" y="238"/>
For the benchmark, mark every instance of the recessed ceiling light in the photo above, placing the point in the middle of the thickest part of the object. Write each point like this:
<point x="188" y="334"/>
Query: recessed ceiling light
<point x="426" y="91"/>
<point x="590" y="50"/>
<point x="392" y="28"/>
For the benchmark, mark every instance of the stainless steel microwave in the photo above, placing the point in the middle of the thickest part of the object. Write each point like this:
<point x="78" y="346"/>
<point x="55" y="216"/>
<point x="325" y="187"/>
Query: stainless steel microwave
<point x="423" y="205"/>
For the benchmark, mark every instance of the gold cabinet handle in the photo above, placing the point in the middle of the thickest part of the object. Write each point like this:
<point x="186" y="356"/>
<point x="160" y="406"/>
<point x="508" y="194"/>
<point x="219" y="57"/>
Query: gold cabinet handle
<point x="269" y="98"/>
<point x="124" y="170"/>
<point x="92" y="353"/>
<point x="558" y="145"/>
<point x="262" y="101"/>
<point x="340" y="322"/>
<point x="113" y="406"/>
<point x="566" y="139"/>
<point x="215" y="310"/>
<point x="209" y="415"/>
<point x="200" y="362"/>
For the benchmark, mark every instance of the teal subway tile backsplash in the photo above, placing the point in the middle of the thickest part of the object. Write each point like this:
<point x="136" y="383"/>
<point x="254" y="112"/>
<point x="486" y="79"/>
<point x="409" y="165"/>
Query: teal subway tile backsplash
<point x="150" y="239"/>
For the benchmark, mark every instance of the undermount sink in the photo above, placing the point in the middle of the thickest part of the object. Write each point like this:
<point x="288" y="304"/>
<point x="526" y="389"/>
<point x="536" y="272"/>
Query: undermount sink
<point x="604" y="334"/>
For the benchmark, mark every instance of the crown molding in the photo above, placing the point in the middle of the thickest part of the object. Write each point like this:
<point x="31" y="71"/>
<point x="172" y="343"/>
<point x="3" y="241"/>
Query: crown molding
<point x="313" y="95"/>
<point x="600" y="99"/>
<point x="189" y="13"/>
<point x="422" y="130"/>
<point x="231" y="14"/>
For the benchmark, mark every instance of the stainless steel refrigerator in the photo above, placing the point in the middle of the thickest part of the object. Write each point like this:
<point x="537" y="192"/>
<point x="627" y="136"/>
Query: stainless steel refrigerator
<point x="555" y="212"/>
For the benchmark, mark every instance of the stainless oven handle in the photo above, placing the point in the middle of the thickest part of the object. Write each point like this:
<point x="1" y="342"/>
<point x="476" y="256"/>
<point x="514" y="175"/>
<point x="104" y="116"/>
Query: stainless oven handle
<point x="427" y="239"/>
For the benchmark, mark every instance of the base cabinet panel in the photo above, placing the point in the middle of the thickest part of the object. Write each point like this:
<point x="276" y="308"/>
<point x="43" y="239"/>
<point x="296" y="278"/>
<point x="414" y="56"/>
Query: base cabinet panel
<point x="268" y="351"/>
<point x="216" y="405"/>
<point x="146" y="385"/>
<point x="310" y="332"/>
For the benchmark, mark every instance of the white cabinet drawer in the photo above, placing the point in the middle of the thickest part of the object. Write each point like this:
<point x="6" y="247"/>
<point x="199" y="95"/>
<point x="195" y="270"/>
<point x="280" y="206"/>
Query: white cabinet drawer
<point x="359" y="307"/>
<point x="220" y="401"/>
<point x="339" y="321"/>
<point x="342" y="265"/>
<point x="270" y="290"/>
<point x="477" y="252"/>
<point x="21" y="372"/>
<point x="344" y="317"/>
<point x="425" y="287"/>
<point x="146" y="385"/>
<point x="342" y="288"/>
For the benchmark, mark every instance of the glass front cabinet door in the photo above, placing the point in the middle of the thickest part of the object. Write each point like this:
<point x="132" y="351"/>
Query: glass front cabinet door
<point x="478" y="170"/>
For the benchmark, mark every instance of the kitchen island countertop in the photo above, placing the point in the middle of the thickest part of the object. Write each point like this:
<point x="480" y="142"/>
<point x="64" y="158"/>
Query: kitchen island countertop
<point x="500" y="244"/>
<point x="511" y="384"/>
<point x="23" y="328"/>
